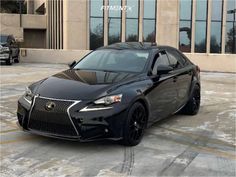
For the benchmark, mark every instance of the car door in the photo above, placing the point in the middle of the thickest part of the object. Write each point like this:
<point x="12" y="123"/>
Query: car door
<point x="162" y="95"/>
<point x="183" y="76"/>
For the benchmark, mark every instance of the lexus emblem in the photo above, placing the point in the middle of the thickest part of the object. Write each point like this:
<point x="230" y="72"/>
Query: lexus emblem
<point x="50" y="105"/>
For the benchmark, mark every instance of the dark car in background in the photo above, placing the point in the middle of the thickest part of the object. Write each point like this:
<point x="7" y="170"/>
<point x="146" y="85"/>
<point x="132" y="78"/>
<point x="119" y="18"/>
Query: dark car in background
<point x="9" y="49"/>
<point x="115" y="92"/>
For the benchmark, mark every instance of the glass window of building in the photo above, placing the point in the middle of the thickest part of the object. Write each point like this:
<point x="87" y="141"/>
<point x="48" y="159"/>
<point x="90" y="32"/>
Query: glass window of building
<point x="216" y="26"/>
<point x="132" y="19"/>
<point x="230" y="41"/>
<point x="149" y="21"/>
<point x="96" y="24"/>
<point x="185" y="25"/>
<point x="114" y="21"/>
<point x="201" y="26"/>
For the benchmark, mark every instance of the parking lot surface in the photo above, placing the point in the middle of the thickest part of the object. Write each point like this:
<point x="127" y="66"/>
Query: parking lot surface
<point x="201" y="145"/>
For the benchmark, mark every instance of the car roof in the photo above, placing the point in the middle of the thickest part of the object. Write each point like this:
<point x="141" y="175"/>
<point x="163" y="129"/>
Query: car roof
<point x="135" y="46"/>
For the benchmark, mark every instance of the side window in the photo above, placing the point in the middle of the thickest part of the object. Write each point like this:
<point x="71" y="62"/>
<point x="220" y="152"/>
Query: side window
<point x="160" y="59"/>
<point x="174" y="61"/>
<point x="180" y="58"/>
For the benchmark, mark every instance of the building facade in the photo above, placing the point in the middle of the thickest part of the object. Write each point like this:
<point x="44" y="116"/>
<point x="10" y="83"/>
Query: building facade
<point x="204" y="29"/>
<point x="193" y="26"/>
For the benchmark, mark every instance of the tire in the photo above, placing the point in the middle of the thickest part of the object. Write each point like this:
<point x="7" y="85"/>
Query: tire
<point x="193" y="105"/>
<point x="10" y="60"/>
<point x="16" y="60"/>
<point x="134" y="125"/>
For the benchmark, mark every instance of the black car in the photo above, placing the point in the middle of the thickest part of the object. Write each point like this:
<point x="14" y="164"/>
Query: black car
<point x="114" y="92"/>
<point x="9" y="49"/>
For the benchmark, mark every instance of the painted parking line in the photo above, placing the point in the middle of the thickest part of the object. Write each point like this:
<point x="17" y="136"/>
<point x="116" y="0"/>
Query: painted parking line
<point x="201" y="137"/>
<point x="215" y="152"/>
<point x="20" y="140"/>
<point x="9" y="131"/>
<point x="10" y="124"/>
<point x="200" y="148"/>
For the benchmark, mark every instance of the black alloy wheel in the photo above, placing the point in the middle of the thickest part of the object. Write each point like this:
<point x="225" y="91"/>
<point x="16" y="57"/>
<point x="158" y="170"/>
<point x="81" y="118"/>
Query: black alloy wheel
<point x="10" y="60"/>
<point x="193" y="105"/>
<point x="16" y="60"/>
<point x="135" y="125"/>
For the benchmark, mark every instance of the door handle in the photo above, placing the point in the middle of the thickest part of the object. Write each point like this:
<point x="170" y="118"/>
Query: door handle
<point x="175" y="78"/>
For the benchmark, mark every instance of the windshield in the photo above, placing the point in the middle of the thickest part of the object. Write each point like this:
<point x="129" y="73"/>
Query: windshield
<point x="3" y="38"/>
<point x="115" y="60"/>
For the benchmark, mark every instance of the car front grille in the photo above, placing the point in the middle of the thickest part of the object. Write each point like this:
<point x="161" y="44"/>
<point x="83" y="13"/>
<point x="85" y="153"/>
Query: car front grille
<point x="55" y="121"/>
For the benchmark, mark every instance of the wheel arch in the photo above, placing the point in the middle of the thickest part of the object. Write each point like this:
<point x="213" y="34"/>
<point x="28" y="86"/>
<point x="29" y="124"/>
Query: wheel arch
<point x="145" y="105"/>
<point x="195" y="81"/>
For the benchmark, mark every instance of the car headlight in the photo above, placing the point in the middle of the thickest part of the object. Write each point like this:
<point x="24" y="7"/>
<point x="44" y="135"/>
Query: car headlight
<point x="103" y="103"/>
<point x="107" y="100"/>
<point x="28" y="95"/>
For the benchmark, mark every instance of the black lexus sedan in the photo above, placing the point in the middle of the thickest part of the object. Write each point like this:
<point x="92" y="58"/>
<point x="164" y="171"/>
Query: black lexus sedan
<point x="114" y="92"/>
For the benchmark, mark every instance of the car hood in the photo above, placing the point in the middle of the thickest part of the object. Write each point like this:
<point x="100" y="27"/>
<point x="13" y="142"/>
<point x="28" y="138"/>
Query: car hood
<point x="81" y="84"/>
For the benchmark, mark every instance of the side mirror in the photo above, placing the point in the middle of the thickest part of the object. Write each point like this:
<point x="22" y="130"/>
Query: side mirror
<point x="71" y="64"/>
<point x="164" y="69"/>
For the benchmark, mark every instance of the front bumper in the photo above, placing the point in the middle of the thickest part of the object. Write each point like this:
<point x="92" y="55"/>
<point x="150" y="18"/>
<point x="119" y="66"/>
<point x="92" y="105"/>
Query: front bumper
<point x="72" y="125"/>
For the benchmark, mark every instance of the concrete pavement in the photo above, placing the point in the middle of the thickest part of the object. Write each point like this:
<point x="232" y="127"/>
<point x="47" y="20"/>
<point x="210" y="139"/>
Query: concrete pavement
<point x="201" y="145"/>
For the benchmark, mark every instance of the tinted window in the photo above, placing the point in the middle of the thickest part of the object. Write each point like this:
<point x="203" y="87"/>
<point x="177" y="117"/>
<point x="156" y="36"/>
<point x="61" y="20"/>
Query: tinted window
<point x="114" y="22"/>
<point x="185" y="27"/>
<point x="160" y="59"/>
<point x="179" y="57"/>
<point x="201" y="26"/>
<point x="230" y="37"/>
<point x="216" y="26"/>
<point x="115" y="60"/>
<point x="96" y="24"/>
<point x="132" y="17"/>
<point x="149" y="21"/>
<point x="173" y="59"/>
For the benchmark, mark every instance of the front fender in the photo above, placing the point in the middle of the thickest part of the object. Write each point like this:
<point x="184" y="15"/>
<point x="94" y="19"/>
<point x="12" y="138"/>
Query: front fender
<point x="136" y="93"/>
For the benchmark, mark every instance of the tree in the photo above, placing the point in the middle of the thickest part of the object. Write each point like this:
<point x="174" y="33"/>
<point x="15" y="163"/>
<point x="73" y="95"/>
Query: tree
<point x="215" y="47"/>
<point x="201" y="47"/>
<point x="132" y="37"/>
<point x="96" y="37"/>
<point x="230" y="45"/>
<point x="150" y="37"/>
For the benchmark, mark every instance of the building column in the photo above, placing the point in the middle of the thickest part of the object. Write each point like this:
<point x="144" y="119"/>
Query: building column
<point x="105" y="24"/>
<point x="209" y="27"/>
<point x="193" y="26"/>
<point x="141" y="13"/>
<point x="157" y="22"/>
<point x="48" y="28"/>
<point x="168" y="22"/>
<point x="30" y="6"/>
<point x="88" y="24"/>
<point x="123" y="22"/>
<point x="224" y="13"/>
<point x="75" y="28"/>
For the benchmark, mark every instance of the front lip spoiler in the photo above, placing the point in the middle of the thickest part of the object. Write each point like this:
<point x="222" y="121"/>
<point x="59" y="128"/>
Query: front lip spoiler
<point x="51" y="135"/>
<point x="71" y="138"/>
